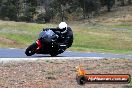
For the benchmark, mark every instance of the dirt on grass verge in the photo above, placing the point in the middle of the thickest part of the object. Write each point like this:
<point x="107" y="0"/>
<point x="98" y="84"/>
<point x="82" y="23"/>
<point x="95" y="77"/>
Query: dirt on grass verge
<point x="60" y="73"/>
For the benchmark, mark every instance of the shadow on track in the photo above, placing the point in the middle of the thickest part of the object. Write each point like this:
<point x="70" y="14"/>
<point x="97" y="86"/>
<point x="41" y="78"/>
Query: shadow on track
<point x="41" y="56"/>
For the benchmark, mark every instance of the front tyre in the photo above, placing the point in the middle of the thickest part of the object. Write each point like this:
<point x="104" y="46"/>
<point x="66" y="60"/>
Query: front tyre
<point x="31" y="49"/>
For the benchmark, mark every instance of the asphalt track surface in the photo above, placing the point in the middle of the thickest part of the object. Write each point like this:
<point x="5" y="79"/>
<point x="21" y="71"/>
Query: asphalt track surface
<point x="19" y="53"/>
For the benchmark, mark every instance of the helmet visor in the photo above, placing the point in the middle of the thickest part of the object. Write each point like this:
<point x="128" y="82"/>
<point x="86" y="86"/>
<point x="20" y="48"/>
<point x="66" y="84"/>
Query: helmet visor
<point x="64" y="30"/>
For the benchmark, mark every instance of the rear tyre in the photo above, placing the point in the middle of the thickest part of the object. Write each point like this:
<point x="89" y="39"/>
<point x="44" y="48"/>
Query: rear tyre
<point x="31" y="49"/>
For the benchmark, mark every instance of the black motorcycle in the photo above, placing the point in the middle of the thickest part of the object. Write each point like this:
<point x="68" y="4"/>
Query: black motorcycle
<point x="45" y="44"/>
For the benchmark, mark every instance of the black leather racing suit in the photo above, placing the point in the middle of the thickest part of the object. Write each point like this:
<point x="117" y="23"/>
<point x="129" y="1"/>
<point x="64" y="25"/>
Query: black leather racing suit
<point x="63" y="38"/>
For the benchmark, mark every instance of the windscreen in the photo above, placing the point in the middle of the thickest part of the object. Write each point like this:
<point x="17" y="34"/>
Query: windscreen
<point x="46" y="34"/>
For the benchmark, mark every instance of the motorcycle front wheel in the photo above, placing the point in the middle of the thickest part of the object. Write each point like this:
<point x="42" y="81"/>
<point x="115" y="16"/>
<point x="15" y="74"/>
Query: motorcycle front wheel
<point x="31" y="49"/>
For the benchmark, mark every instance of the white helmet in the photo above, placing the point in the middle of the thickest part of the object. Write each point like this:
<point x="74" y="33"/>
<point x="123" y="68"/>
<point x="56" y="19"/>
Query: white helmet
<point x="63" y="27"/>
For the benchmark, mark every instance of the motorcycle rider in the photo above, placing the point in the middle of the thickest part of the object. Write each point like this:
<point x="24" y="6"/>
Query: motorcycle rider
<point x="65" y="36"/>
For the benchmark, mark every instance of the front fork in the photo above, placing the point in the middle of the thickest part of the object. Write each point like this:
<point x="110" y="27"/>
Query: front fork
<point x="39" y="44"/>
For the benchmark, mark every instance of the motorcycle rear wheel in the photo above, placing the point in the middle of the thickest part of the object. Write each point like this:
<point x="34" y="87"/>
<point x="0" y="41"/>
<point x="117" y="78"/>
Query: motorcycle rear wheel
<point x="31" y="49"/>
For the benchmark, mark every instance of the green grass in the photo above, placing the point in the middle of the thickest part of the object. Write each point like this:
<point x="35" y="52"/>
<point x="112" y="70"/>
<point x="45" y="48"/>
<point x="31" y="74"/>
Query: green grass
<point x="125" y="26"/>
<point x="102" y="38"/>
<point x="22" y="33"/>
<point x="87" y="37"/>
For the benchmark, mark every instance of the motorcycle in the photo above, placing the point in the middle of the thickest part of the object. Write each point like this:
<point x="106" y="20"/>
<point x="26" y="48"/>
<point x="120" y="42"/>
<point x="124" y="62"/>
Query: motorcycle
<point x="45" y="44"/>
